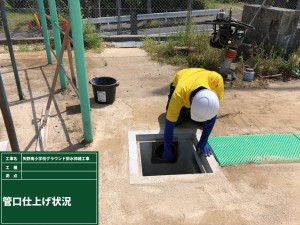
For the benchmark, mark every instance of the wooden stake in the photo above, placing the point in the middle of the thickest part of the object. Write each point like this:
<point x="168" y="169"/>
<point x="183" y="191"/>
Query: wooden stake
<point x="69" y="50"/>
<point x="41" y="144"/>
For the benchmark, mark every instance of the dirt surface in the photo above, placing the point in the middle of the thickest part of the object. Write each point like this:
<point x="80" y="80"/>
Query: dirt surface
<point x="245" y="194"/>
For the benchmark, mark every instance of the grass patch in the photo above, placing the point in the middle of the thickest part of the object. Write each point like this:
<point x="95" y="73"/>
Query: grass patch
<point x="270" y="64"/>
<point x="18" y="18"/>
<point x="198" y="53"/>
<point x="30" y="47"/>
<point x="161" y="23"/>
<point x="92" y="37"/>
<point x="24" y="47"/>
<point x="19" y="21"/>
<point x="237" y="7"/>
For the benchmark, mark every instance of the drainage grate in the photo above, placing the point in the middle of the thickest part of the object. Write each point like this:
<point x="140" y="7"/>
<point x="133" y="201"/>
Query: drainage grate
<point x="262" y="148"/>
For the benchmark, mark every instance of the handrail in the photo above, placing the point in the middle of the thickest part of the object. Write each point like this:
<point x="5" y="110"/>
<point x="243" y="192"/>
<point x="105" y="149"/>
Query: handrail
<point x="152" y="16"/>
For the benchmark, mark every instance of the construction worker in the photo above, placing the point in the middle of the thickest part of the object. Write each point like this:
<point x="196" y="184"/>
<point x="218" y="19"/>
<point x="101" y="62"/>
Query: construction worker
<point x="195" y="92"/>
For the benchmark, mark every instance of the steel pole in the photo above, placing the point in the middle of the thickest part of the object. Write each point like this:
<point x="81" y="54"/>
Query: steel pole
<point x="82" y="81"/>
<point x="45" y="30"/>
<point x="11" y="133"/>
<point x="10" y="48"/>
<point x="57" y="40"/>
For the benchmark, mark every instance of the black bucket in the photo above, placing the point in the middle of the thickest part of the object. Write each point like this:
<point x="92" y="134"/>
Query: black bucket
<point x="104" y="89"/>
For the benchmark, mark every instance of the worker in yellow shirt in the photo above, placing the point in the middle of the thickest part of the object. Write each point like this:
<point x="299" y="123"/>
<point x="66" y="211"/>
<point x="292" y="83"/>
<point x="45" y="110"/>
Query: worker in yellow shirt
<point x="197" y="92"/>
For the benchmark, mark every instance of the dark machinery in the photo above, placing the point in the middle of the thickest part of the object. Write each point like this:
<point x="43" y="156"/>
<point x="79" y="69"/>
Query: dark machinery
<point x="227" y="33"/>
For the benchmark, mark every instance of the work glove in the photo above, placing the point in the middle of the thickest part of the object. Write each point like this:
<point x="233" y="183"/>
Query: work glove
<point x="168" y="138"/>
<point x="203" y="146"/>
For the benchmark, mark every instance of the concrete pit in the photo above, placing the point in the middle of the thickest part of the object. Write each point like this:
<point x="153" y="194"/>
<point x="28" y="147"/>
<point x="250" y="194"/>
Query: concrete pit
<point x="144" y="166"/>
<point x="185" y="163"/>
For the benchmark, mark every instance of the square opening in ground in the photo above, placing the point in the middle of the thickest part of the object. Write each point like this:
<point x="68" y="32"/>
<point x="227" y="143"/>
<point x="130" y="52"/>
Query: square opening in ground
<point x="185" y="163"/>
<point x="142" y="168"/>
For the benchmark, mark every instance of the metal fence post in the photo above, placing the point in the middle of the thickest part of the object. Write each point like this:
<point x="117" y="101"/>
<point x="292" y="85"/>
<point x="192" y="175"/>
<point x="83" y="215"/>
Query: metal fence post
<point x="77" y="36"/>
<point x="133" y="17"/>
<point x="188" y="17"/>
<point x="9" y="124"/>
<point x="189" y="12"/>
<point x="45" y="30"/>
<point x="96" y="11"/>
<point x="298" y="5"/>
<point x="99" y="8"/>
<point x="118" y="4"/>
<point x="149" y="10"/>
<point x="57" y="40"/>
<point x="10" y="48"/>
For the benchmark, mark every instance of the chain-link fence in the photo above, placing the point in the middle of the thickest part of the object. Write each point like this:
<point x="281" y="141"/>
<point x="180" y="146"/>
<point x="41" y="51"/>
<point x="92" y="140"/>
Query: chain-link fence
<point x="21" y="19"/>
<point x="123" y="17"/>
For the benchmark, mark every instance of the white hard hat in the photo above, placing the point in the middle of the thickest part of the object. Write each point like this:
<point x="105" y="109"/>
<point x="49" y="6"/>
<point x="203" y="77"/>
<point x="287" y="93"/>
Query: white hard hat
<point x="205" y="105"/>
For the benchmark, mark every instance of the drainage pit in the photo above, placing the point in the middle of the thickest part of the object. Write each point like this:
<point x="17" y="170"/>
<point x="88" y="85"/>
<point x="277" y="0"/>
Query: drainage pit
<point x="146" y="167"/>
<point x="153" y="164"/>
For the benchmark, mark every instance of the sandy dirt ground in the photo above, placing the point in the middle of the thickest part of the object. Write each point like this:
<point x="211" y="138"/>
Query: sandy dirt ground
<point x="239" y="195"/>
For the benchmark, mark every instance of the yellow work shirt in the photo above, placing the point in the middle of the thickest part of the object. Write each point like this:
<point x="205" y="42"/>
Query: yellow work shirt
<point x="185" y="82"/>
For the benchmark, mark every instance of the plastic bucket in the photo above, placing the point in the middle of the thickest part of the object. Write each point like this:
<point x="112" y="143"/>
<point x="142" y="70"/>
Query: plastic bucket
<point x="248" y="74"/>
<point x="104" y="89"/>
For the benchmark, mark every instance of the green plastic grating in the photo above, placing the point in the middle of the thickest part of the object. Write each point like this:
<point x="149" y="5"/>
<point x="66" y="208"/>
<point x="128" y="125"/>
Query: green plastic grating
<point x="297" y="135"/>
<point x="230" y="150"/>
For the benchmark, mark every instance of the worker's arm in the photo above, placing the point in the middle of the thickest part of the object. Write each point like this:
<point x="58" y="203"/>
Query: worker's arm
<point x="173" y="111"/>
<point x="168" y="138"/>
<point x="203" y="146"/>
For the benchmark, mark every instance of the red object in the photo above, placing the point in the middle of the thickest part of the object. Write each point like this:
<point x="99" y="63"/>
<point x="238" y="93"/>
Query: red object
<point x="65" y="24"/>
<point x="230" y="53"/>
<point x="30" y="26"/>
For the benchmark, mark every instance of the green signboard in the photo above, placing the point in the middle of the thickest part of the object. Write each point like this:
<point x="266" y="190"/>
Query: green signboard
<point x="49" y="188"/>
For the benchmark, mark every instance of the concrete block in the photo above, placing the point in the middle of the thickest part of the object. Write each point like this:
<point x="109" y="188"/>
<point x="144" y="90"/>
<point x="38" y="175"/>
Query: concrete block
<point x="274" y="26"/>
